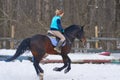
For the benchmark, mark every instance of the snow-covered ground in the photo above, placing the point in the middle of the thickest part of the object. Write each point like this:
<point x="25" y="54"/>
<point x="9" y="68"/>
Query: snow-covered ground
<point x="73" y="56"/>
<point x="25" y="71"/>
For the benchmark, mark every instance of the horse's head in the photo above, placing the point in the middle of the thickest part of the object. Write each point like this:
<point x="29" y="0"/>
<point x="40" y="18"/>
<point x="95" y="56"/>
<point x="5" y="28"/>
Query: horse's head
<point x="80" y="34"/>
<point x="76" y="31"/>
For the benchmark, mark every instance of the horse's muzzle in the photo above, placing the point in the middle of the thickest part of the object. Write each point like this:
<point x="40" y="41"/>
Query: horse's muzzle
<point x="83" y="40"/>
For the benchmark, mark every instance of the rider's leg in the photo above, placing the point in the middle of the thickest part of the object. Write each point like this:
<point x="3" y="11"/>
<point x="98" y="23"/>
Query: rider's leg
<point x="58" y="47"/>
<point x="62" y="39"/>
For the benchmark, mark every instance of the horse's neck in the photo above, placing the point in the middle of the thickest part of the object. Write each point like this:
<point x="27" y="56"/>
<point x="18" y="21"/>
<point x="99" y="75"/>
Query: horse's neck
<point x="68" y="38"/>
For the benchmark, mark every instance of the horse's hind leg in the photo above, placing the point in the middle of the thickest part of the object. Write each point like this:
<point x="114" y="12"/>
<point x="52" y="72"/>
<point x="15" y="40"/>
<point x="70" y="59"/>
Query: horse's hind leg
<point x="38" y="69"/>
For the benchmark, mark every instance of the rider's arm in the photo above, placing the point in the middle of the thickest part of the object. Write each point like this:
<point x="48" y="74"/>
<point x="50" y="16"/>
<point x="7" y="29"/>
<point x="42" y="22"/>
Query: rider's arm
<point x="59" y="25"/>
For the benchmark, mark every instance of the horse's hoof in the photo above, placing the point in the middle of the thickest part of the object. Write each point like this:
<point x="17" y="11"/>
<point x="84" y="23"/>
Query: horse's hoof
<point x="56" y="69"/>
<point x="41" y="76"/>
<point x="66" y="70"/>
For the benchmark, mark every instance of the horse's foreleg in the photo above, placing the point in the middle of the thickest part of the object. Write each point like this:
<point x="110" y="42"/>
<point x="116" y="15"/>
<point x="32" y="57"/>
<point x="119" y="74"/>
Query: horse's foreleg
<point x="69" y="65"/>
<point x="65" y="64"/>
<point x="60" y="68"/>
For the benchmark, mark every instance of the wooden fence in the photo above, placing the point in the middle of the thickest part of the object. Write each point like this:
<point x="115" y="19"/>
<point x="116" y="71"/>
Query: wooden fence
<point x="11" y="43"/>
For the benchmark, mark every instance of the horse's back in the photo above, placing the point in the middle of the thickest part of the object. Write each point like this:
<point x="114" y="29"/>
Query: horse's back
<point x="39" y="39"/>
<point x="43" y="43"/>
<point x="38" y="36"/>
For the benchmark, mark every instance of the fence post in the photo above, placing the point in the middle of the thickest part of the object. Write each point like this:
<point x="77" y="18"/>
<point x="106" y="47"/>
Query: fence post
<point x="96" y="35"/>
<point x="12" y="36"/>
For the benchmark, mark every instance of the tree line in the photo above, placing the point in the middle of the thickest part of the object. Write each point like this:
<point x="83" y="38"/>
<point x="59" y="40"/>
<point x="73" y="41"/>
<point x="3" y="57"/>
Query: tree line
<point x="32" y="17"/>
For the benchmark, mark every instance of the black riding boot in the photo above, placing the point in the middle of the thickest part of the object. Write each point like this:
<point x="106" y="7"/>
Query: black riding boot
<point x="58" y="47"/>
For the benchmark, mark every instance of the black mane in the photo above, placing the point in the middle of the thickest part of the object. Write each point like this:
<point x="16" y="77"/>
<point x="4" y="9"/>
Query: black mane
<point x="72" y="31"/>
<point x="72" y="28"/>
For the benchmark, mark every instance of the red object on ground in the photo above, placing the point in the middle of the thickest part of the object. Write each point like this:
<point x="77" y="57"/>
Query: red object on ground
<point x="105" y="53"/>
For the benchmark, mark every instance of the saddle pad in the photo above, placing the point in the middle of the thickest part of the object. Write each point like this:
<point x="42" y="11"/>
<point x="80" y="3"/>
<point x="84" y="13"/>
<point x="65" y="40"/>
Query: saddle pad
<point x="54" y="41"/>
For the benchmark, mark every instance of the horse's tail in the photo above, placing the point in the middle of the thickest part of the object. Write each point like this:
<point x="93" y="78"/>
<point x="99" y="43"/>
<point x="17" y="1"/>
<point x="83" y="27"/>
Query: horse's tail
<point x="24" y="45"/>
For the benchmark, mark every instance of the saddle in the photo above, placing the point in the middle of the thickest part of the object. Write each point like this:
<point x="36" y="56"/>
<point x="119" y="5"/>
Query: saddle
<point x="54" y="40"/>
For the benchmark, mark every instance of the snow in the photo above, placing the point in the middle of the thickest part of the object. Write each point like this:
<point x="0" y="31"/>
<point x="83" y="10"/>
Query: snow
<point x="25" y="71"/>
<point x="74" y="56"/>
<point x="82" y="56"/>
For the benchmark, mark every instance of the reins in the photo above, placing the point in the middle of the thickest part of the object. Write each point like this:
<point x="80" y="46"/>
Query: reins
<point x="68" y="39"/>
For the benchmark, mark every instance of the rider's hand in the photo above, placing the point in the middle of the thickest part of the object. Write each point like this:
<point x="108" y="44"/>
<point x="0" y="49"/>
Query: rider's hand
<point x="62" y="30"/>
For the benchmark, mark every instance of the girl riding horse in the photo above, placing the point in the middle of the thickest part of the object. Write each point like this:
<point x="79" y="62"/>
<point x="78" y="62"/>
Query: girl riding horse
<point x="57" y="30"/>
<point x="39" y="45"/>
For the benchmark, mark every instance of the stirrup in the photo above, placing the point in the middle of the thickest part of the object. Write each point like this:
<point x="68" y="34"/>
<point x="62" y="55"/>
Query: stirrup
<point x="58" y="50"/>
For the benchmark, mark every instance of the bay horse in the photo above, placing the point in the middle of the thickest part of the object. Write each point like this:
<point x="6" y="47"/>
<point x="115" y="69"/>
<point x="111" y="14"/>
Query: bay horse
<point x="39" y="45"/>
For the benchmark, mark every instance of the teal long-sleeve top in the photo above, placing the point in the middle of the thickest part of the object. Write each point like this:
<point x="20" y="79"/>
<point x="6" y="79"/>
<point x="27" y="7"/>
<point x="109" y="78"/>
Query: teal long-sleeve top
<point x="56" y="24"/>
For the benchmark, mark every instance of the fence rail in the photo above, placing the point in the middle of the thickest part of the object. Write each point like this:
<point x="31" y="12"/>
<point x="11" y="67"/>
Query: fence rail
<point x="11" y="43"/>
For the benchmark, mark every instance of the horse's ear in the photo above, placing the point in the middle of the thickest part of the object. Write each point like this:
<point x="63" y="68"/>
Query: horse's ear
<point x="83" y="26"/>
